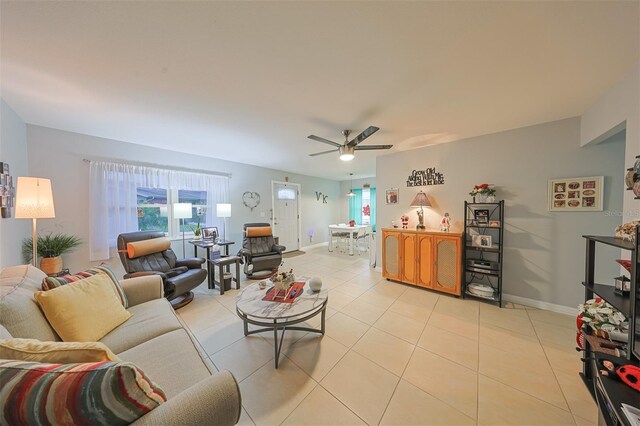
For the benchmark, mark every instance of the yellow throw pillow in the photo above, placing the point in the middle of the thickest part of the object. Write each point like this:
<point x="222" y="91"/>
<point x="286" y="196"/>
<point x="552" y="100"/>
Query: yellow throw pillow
<point x="84" y="311"/>
<point x="55" y="352"/>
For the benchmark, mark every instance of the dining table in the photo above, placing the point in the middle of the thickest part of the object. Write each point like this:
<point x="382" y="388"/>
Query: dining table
<point x="351" y="230"/>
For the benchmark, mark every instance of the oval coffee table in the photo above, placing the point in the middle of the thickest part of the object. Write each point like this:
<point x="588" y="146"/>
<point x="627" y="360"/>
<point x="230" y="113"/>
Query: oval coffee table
<point x="272" y="316"/>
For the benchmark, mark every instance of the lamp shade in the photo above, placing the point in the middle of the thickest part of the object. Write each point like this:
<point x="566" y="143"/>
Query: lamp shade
<point x="421" y="200"/>
<point x="223" y="210"/>
<point x="34" y="198"/>
<point x="182" y="210"/>
<point x="346" y="153"/>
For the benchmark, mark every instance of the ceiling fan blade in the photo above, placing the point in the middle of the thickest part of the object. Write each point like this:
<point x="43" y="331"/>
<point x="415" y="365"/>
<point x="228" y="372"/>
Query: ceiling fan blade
<point x="323" y="140"/>
<point x="323" y="152"/>
<point x="371" y="147"/>
<point x="362" y="136"/>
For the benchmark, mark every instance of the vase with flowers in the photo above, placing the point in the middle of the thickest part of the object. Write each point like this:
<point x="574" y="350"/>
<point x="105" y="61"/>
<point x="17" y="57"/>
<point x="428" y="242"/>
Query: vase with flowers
<point x="483" y="193"/>
<point x="282" y="282"/>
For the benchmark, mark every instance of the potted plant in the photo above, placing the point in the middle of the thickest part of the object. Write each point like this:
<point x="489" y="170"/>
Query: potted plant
<point x="482" y="192"/>
<point x="197" y="230"/>
<point x="50" y="249"/>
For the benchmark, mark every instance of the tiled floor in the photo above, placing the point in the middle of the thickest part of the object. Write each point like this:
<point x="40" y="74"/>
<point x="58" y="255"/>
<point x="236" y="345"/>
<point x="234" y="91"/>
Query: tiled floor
<point x="397" y="355"/>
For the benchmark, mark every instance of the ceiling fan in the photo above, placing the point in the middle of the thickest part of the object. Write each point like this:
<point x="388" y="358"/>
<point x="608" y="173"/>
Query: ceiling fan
<point x="349" y="147"/>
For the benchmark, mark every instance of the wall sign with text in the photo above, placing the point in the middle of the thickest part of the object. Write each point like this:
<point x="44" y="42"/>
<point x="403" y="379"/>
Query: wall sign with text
<point x="425" y="177"/>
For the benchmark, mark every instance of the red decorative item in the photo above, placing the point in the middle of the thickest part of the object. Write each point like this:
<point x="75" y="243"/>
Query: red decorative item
<point x="626" y="264"/>
<point x="580" y="340"/>
<point x="366" y="210"/>
<point x="297" y="287"/>
<point x="352" y="223"/>
<point x="630" y="375"/>
<point x="405" y="221"/>
<point x="579" y="322"/>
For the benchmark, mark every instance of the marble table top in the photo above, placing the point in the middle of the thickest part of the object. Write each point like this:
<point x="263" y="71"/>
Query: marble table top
<point x="250" y="302"/>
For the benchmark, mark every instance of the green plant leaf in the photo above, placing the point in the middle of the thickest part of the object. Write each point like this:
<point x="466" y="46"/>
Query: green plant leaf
<point x="50" y="245"/>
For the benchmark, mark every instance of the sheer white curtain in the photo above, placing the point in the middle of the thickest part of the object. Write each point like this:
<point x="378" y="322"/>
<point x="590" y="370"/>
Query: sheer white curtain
<point x="113" y="198"/>
<point x="217" y="188"/>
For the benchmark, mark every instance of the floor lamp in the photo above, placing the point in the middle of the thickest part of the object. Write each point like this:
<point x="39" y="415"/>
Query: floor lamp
<point x="182" y="211"/>
<point x="223" y="210"/>
<point x="34" y="200"/>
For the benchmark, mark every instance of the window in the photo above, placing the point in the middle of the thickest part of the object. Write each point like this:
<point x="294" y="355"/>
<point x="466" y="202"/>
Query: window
<point x="198" y="200"/>
<point x="130" y="197"/>
<point x="152" y="209"/>
<point x="366" y="206"/>
<point x="362" y="207"/>
<point x="155" y="214"/>
<point x="286" y="194"/>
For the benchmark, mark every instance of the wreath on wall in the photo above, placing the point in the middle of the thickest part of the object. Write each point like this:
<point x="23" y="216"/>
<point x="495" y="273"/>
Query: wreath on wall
<point x="251" y="199"/>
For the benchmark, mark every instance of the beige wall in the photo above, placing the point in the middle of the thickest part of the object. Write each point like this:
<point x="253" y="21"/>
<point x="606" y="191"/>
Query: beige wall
<point x="544" y="251"/>
<point x="13" y="150"/>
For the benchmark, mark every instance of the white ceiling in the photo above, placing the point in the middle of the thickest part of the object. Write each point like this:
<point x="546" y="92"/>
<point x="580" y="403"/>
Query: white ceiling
<point x="248" y="81"/>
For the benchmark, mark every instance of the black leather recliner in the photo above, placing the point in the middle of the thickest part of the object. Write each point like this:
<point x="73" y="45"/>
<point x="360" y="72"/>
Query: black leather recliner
<point x="178" y="276"/>
<point x="260" y="251"/>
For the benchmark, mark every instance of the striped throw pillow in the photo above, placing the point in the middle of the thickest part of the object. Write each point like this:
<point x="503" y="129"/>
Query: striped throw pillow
<point x="98" y="393"/>
<point x="50" y="283"/>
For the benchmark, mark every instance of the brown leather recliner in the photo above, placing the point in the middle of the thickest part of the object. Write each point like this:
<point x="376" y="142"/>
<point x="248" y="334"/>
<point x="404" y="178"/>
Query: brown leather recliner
<point x="178" y="276"/>
<point x="260" y="251"/>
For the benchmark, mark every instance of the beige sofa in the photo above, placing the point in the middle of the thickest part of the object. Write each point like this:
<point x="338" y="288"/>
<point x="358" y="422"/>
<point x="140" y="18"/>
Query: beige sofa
<point x="154" y="339"/>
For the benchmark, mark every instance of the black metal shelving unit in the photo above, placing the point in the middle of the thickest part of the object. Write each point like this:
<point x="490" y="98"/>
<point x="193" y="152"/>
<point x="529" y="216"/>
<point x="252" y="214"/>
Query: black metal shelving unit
<point x="630" y="170"/>
<point x="493" y="254"/>
<point x="624" y="304"/>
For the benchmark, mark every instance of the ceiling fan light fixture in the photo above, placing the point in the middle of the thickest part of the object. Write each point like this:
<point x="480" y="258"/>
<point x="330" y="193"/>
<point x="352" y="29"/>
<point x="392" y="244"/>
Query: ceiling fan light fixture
<point x="346" y="153"/>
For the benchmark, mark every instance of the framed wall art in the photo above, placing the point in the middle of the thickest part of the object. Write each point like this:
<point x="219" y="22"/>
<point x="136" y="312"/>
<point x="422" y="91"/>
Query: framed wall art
<point x="482" y="241"/>
<point x="391" y="196"/>
<point x="7" y="191"/>
<point x="576" y="194"/>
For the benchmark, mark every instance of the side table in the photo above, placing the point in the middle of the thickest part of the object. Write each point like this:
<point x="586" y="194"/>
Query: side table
<point x="221" y="263"/>
<point x="207" y="244"/>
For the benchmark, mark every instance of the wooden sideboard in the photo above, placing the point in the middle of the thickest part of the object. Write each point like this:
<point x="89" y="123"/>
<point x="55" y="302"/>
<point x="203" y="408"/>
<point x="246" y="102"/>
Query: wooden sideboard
<point x="428" y="259"/>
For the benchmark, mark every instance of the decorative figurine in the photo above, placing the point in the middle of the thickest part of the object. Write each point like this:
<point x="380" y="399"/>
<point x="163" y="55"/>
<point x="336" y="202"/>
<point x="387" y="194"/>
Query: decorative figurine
<point x="445" y="223"/>
<point x="420" y="220"/>
<point x="405" y="221"/>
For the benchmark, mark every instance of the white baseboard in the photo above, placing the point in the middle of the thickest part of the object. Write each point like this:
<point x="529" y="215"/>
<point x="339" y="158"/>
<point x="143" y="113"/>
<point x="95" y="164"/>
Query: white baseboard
<point x="561" y="309"/>
<point x="378" y="269"/>
<point x="314" y="246"/>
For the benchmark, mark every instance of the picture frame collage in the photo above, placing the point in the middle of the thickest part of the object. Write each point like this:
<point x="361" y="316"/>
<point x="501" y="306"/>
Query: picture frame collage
<point x="576" y="194"/>
<point x="482" y="219"/>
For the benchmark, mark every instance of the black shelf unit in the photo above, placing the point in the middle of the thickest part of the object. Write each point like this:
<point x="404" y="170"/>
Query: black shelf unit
<point x="494" y="254"/>
<point x="624" y="304"/>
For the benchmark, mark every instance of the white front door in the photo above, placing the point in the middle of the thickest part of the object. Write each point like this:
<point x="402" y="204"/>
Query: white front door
<point x="286" y="219"/>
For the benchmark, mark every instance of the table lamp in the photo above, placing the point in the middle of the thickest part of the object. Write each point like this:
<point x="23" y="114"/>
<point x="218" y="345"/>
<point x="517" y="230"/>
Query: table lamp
<point x="421" y="200"/>
<point x="182" y="211"/>
<point x="223" y="210"/>
<point x="34" y="200"/>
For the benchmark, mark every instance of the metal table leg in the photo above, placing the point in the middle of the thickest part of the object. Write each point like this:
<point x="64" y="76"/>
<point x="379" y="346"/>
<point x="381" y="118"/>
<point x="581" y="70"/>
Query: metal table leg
<point x="274" y="326"/>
